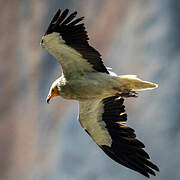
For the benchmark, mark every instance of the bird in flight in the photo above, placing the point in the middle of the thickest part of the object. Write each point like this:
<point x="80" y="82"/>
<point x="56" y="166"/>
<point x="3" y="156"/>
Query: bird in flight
<point x="100" y="92"/>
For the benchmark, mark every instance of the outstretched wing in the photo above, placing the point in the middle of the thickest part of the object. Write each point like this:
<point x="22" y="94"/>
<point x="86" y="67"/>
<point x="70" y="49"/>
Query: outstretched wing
<point x="67" y="41"/>
<point x="104" y="121"/>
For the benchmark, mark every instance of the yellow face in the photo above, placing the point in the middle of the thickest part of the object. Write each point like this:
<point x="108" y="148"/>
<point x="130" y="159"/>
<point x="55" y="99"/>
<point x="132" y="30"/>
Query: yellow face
<point x="53" y="92"/>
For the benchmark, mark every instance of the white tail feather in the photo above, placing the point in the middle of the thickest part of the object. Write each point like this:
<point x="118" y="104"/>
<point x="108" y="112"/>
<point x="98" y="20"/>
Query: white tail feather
<point x="135" y="84"/>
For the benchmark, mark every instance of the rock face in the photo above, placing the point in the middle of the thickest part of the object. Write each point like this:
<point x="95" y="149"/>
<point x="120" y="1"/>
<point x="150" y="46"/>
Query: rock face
<point x="135" y="37"/>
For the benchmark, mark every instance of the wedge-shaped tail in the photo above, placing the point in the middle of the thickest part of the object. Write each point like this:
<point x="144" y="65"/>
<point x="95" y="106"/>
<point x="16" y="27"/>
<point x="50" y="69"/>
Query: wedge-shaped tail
<point x="135" y="84"/>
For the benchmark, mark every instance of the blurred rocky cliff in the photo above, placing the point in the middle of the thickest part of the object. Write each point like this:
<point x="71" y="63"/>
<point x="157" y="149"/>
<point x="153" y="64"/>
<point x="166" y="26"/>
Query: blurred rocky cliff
<point x="42" y="142"/>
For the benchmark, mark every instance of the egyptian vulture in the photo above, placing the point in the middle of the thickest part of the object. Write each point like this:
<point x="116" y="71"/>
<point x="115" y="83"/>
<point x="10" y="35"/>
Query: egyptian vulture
<point x="100" y="92"/>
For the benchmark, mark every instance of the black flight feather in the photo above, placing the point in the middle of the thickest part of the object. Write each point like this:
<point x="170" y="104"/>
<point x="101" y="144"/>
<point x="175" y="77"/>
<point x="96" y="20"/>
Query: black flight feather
<point x="125" y="148"/>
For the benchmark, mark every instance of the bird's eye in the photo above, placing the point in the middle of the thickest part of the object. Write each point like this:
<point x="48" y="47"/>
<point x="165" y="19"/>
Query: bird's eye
<point x="42" y="41"/>
<point x="53" y="90"/>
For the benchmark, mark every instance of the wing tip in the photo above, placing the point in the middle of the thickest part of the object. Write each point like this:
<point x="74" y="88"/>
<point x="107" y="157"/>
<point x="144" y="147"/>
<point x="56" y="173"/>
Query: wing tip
<point x="132" y="163"/>
<point x="60" y="18"/>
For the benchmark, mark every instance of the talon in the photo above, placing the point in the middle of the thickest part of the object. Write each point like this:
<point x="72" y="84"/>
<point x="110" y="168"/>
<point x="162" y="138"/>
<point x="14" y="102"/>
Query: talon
<point x="128" y="93"/>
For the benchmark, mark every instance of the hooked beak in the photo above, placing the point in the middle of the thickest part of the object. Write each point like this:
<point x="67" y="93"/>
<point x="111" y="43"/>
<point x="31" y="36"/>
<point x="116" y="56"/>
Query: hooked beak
<point x="48" y="99"/>
<point x="52" y="93"/>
